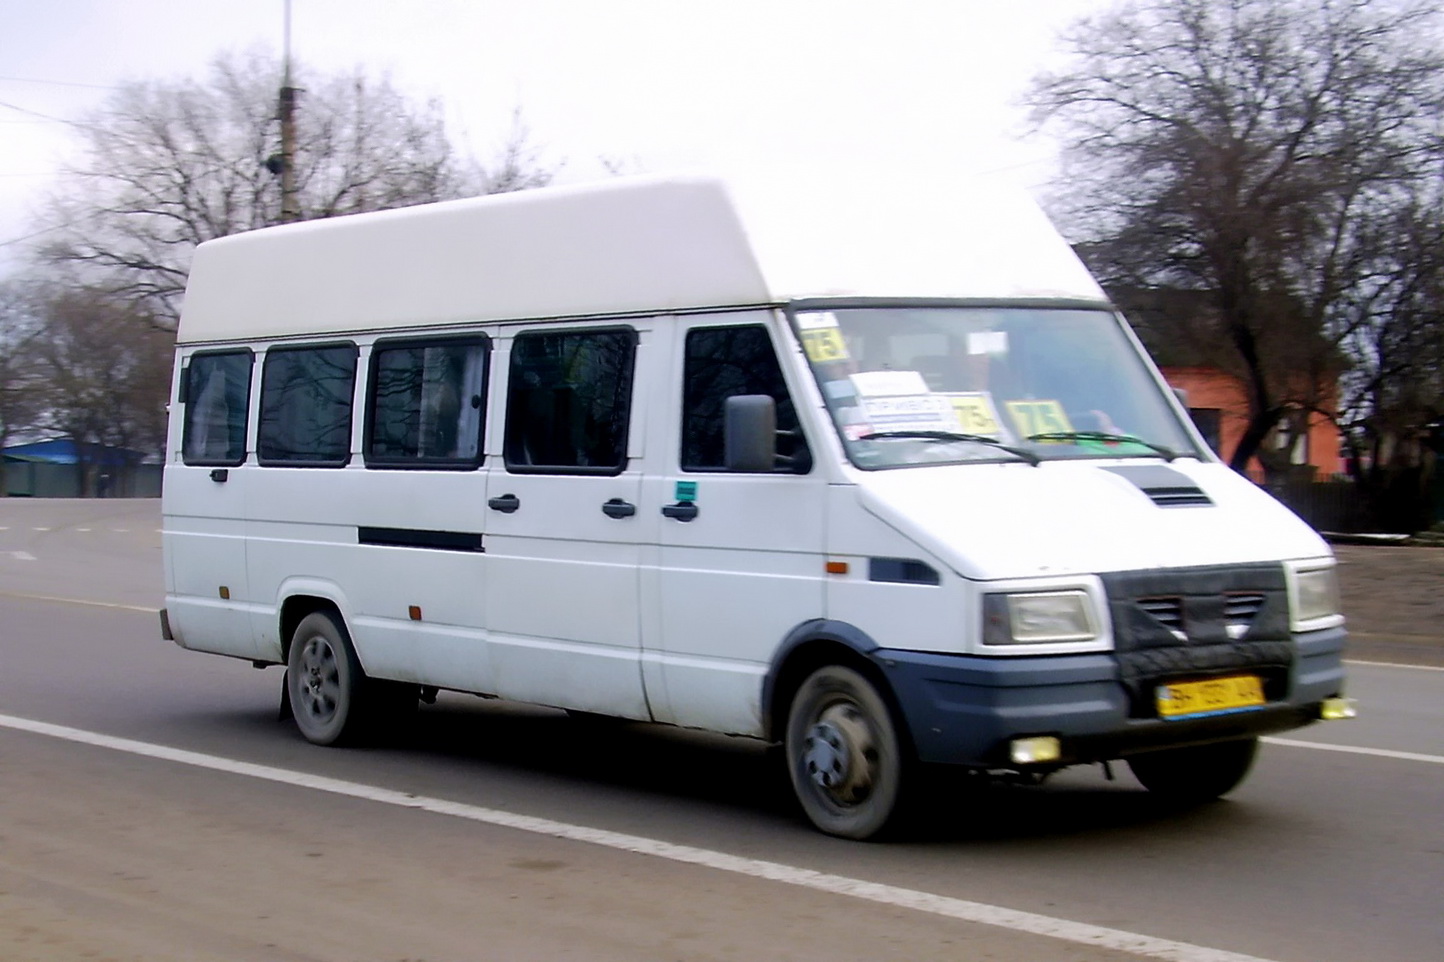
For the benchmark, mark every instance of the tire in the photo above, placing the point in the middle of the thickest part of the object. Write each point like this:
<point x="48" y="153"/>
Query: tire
<point x="843" y="753"/>
<point x="324" y="681"/>
<point x="1197" y="774"/>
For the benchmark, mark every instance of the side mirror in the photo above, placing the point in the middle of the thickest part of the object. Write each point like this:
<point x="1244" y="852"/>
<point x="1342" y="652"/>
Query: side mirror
<point x="749" y="432"/>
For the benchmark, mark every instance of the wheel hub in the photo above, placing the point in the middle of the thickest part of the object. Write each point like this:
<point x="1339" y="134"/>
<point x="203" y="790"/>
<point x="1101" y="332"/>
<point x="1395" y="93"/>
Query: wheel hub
<point x="838" y="753"/>
<point x="318" y="670"/>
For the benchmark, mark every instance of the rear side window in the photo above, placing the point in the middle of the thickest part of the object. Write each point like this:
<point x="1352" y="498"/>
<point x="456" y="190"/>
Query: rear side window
<point x="427" y="403"/>
<point x="568" y="400"/>
<point x="217" y="397"/>
<point x="306" y="397"/>
<point x="723" y="362"/>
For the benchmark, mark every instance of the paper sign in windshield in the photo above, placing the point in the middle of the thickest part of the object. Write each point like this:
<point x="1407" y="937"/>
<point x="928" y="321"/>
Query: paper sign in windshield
<point x="976" y="414"/>
<point x="821" y="339"/>
<point x="1039" y="417"/>
<point x="912" y="412"/>
<point x="889" y="383"/>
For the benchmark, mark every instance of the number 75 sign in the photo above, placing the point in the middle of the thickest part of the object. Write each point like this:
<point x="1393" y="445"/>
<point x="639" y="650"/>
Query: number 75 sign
<point x="1038" y="417"/>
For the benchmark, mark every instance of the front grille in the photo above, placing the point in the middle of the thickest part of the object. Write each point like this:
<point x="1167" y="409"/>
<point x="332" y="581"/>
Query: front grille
<point x="1166" y="611"/>
<point x="1185" y="623"/>
<point x="1240" y="608"/>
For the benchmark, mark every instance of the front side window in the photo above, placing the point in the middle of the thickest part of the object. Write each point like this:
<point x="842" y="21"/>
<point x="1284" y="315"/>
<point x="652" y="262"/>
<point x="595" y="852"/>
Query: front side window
<point x="217" y="398"/>
<point x="568" y="400"/>
<point x="427" y="403"/>
<point x="930" y="385"/>
<point x="723" y="362"/>
<point x="306" y="395"/>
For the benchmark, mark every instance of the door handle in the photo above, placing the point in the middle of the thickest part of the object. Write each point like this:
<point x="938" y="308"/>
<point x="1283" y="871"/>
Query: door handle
<point x="506" y="504"/>
<point x="617" y="508"/>
<point x="219" y="475"/>
<point x="681" y="511"/>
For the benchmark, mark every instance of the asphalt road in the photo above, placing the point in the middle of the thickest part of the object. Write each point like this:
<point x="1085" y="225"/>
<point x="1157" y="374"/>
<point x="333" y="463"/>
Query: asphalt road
<point x="494" y="831"/>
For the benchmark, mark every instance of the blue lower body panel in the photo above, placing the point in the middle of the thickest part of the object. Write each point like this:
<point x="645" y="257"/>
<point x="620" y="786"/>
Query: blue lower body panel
<point x="964" y="710"/>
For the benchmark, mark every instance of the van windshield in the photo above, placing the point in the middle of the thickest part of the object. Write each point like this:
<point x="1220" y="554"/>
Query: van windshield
<point x="930" y="385"/>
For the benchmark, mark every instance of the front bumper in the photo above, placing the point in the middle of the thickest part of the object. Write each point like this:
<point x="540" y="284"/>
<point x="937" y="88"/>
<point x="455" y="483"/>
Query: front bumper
<point x="964" y="710"/>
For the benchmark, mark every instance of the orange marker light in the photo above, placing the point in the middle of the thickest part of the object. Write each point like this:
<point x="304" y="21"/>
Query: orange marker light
<point x="415" y="612"/>
<point x="837" y="567"/>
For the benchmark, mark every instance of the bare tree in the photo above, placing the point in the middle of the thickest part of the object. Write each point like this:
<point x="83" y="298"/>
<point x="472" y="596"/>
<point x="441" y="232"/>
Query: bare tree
<point x="19" y="381"/>
<point x="1249" y="150"/>
<point x="168" y="166"/>
<point x="101" y="371"/>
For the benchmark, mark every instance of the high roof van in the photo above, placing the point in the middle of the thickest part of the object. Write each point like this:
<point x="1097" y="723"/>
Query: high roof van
<point x="879" y="476"/>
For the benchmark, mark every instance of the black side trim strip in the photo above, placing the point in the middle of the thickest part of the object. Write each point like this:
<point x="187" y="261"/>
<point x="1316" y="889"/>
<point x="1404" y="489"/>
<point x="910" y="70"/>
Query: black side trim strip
<point x="416" y="538"/>
<point x="902" y="571"/>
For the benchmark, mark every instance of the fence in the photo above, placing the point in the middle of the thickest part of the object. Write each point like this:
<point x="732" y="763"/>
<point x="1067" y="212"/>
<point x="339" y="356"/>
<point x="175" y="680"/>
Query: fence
<point x="1328" y="505"/>
<point x="34" y="479"/>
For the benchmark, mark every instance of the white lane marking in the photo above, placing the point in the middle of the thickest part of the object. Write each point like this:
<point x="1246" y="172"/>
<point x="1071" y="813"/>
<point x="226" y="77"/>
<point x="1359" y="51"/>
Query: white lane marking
<point x="1355" y="750"/>
<point x="890" y="895"/>
<point x="86" y="530"/>
<point x="21" y="555"/>
<point x="1392" y="664"/>
<point x="78" y="601"/>
<point x="39" y="529"/>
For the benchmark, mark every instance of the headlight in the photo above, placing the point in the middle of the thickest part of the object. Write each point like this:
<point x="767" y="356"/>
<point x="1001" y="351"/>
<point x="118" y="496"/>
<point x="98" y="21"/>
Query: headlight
<point x="1038" y="618"/>
<point x="1314" y="599"/>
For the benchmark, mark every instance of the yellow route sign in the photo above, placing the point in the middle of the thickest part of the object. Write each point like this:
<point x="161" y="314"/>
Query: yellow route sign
<point x="976" y="414"/>
<point x="824" y="344"/>
<point x="1038" y="417"/>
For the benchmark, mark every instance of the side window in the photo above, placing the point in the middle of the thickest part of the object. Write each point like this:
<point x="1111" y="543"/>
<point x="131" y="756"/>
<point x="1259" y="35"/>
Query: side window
<point x="567" y="402"/>
<point x="426" y="403"/>
<point x="218" y="394"/>
<point x="722" y="362"/>
<point x="306" y="406"/>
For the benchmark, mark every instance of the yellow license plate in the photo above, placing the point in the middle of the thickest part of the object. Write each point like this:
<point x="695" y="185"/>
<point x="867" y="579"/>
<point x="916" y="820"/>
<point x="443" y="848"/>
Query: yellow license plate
<point x="1214" y="696"/>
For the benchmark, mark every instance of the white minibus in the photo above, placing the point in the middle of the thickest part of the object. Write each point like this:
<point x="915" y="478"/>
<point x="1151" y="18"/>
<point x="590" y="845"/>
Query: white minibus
<point x="879" y="476"/>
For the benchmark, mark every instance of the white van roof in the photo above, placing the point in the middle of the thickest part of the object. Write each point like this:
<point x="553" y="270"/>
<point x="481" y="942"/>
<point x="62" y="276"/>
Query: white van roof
<point x="625" y="246"/>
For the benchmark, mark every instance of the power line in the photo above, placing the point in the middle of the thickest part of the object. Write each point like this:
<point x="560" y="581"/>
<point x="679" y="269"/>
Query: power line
<point x="36" y="113"/>
<point x="57" y="83"/>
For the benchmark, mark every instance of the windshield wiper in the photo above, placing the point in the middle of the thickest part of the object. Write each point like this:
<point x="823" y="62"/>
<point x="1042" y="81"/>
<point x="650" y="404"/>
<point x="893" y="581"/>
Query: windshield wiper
<point x="1028" y="456"/>
<point x="1168" y="454"/>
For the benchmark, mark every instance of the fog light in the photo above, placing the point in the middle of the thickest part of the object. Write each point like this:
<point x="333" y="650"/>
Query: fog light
<point x="1333" y="709"/>
<point x="1034" y="751"/>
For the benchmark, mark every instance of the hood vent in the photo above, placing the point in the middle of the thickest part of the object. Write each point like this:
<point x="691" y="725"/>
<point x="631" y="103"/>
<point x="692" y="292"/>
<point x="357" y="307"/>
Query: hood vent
<point x="1164" y="486"/>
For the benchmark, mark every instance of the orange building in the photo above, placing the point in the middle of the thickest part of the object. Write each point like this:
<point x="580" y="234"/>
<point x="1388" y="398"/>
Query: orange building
<point x="1219" y="405"/>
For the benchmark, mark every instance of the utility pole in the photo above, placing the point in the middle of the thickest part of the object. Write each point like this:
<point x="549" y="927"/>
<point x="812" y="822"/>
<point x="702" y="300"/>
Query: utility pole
<point x="287" y="113"/>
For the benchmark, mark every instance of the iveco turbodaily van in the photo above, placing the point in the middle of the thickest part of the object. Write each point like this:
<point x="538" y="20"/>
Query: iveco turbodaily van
<point x="879" y="475"/>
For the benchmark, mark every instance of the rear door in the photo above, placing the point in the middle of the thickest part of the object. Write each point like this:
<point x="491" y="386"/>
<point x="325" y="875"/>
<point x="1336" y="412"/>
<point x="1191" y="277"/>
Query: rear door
<point x="205" y="494"/>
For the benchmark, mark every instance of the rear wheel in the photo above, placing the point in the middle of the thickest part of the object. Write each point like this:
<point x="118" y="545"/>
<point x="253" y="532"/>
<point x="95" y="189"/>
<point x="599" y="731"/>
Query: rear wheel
<point x="1200" y="773"/>
<point x="843" y="753"/>
<point x="325" y="682"/>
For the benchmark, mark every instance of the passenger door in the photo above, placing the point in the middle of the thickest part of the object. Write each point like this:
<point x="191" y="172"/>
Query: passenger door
<point x="740" y="558"/>
<point x="563" y="530"/>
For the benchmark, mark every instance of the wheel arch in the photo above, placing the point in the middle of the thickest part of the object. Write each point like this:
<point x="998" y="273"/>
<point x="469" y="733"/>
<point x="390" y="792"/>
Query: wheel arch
<point x="807" y="648"/>
<point x="297" y="602"/>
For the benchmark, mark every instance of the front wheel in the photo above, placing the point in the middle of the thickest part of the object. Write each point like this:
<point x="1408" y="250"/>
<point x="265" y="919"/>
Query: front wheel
<point x="1196" y="774"/>
<point x="843" y="753"/>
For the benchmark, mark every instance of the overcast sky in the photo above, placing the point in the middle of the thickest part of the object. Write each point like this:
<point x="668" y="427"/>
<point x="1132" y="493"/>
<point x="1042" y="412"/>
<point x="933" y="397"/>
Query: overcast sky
<point x="746" y="88"/>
